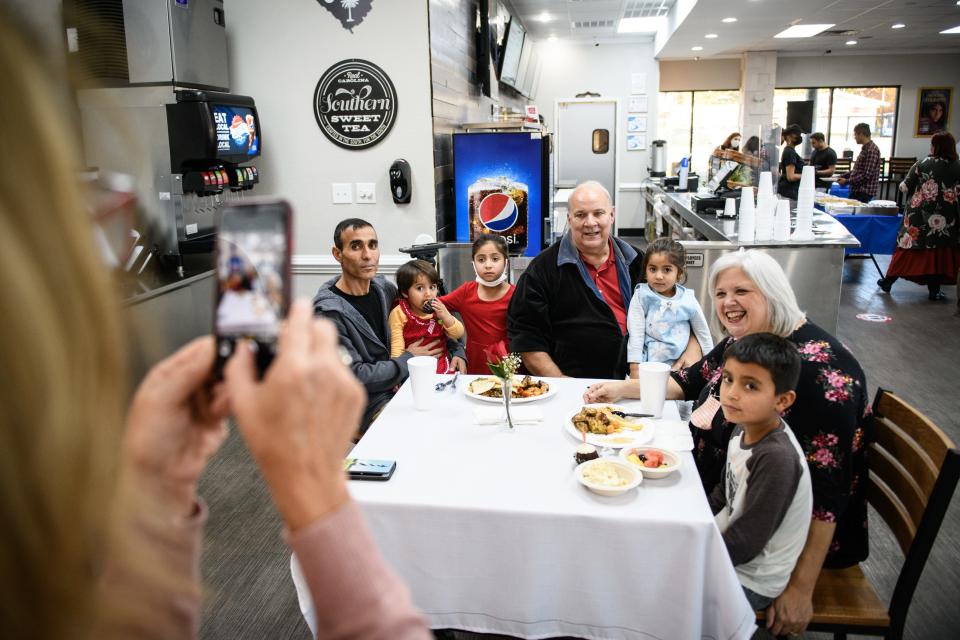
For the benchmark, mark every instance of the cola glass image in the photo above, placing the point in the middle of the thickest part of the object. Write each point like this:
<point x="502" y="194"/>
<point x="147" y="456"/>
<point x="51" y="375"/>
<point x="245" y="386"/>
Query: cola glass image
<point x="499" y="206"/>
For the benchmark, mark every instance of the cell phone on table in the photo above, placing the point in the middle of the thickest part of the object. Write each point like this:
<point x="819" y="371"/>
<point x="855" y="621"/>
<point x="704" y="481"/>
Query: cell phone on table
<point x="358" y="469"/>
<point x="252" y="278"/>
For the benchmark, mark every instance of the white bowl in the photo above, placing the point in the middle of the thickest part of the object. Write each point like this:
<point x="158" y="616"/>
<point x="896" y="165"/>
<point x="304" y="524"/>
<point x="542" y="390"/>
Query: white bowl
<point x="671" y="458"/>
<point x="629" y="473"/>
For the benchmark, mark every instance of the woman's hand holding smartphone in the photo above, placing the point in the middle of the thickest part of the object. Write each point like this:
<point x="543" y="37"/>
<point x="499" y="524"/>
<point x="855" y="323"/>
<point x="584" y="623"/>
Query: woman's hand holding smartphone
<point x="298" y="420"/>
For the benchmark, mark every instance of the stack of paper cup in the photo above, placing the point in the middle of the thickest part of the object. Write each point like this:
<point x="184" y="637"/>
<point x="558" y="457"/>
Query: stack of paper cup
<point x="747" y="222"/>
<point x="804" y="229"/>
<point x="766" y="203"/>
<point x="781" y="222"/>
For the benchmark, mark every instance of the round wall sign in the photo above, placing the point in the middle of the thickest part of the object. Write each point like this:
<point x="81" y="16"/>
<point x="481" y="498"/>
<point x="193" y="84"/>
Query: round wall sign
<point x="355" y="104"/>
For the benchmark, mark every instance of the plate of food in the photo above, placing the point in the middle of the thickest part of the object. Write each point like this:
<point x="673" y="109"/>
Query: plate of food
<point x="525" y="389"/>
<point x="603" y="428"/>
<point x="653" y="462"/>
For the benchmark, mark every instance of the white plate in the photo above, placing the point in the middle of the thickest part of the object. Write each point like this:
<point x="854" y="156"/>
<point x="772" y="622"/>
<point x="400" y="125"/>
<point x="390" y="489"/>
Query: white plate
<point x="551" y="391"/>
<point x="626" y="438"/>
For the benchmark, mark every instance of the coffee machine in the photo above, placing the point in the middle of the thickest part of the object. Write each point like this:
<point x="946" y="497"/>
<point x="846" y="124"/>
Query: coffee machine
<point x="162" y="113"/>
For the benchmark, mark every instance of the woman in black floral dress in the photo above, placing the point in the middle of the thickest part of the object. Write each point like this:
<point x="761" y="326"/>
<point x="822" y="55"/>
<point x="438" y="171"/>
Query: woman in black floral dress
<point x="751" y="294"/>
<point x="928" y="243"/>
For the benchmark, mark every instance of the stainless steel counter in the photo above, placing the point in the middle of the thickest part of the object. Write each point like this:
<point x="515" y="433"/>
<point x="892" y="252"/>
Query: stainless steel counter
<point x="827" y="231"/>
<point x="814" y="268"/>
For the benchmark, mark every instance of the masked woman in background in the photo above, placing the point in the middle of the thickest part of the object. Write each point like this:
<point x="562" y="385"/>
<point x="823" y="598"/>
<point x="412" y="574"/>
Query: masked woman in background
<point x="101" y="519"/>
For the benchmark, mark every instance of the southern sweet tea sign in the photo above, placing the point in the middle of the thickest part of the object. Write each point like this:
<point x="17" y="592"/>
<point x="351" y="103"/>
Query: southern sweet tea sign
<point x="355" y="104"/>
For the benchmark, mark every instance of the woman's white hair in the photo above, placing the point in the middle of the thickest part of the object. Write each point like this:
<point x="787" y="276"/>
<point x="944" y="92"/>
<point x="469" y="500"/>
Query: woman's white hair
<point x="783" y="313"/>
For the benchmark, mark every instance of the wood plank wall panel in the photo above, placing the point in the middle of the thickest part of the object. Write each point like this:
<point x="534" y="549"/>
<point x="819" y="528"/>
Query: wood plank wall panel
<point x="456" y="96"/>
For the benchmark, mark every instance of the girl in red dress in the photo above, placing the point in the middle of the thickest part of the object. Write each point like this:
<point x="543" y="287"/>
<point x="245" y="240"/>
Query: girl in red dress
<point x="483" y="303"/>
<point x="419" y="316"/>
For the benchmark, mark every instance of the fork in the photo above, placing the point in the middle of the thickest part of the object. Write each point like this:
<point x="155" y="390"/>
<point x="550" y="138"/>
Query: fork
<point x="623" y="414"/>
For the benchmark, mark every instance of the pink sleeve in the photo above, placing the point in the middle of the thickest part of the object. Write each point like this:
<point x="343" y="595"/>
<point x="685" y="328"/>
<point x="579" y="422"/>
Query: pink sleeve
<point x="355" y="594"/>
<point x="161" y="603"/>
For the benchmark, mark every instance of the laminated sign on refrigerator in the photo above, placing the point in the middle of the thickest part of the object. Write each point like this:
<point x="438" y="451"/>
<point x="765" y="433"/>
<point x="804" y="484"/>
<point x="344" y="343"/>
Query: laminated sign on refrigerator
<point x="500" y="186"/>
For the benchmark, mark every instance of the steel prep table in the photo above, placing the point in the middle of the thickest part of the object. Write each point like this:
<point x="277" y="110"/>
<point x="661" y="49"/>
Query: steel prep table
<point x="813" y="267"/>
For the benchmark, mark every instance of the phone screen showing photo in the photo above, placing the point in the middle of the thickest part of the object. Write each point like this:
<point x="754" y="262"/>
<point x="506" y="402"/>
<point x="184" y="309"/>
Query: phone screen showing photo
<point x="252" y="275"/>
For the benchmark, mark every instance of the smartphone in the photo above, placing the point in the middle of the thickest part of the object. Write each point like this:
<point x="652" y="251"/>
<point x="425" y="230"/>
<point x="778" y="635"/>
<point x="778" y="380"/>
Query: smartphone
<point x="253" y="278"/>
<point x="369" y="469"/>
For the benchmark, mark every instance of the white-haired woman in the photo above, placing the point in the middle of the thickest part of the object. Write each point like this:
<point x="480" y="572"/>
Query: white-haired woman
<point x="751" y="294"/>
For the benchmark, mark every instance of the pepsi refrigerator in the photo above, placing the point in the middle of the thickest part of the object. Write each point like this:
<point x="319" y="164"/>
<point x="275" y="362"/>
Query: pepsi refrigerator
<point x="501" y="186"/>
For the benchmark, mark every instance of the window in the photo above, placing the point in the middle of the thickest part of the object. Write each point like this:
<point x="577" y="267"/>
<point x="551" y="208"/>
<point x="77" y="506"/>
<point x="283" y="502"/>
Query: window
<point x="839" y="109"/>
<point x="694" y="123"/>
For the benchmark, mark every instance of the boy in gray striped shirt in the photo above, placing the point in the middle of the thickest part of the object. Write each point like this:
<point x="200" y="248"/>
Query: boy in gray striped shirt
<point x="763" y="506"/>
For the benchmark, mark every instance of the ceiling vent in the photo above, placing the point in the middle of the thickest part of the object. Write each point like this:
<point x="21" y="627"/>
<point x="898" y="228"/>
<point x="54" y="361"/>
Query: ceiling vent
<point x="646" y="9"/>
<point x="581" y="25"/>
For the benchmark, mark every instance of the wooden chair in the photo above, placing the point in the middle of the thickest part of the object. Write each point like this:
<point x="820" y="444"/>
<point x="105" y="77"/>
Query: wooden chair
<point x="843" y="165"/>
<point x="897" y="170"/>
<point x="914" y="468"/>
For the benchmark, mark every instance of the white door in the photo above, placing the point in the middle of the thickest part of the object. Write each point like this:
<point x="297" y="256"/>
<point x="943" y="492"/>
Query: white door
<point x="587" y="142"/>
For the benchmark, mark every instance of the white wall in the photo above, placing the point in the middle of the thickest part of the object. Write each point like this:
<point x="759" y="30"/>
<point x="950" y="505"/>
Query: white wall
<point x="569" y="69"/>
<point x="278" y="52"/>
<point x="908" y="71"/>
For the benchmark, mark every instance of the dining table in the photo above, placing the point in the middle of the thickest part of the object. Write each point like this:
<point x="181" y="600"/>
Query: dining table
<point x="493" y="533"/>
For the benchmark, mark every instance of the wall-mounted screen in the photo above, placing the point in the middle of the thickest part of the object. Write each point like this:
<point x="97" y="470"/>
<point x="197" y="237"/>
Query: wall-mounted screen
<point x="237" y="131"/>
<point x="524" y="64"/>
<point x="512" y="49"/>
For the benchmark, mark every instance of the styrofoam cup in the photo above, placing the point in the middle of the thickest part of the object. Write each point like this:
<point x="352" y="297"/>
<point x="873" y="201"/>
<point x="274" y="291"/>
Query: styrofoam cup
<point x="653" y="386"/>
<point x="423" y="378"/>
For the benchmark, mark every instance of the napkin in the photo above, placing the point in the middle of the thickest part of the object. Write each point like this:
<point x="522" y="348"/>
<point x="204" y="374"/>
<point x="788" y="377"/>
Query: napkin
<point x="496" y="415"/>
<point x="673" y="435"/>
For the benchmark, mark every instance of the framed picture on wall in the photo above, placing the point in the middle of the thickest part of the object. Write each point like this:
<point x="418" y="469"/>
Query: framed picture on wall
<point x="933" y="110"/>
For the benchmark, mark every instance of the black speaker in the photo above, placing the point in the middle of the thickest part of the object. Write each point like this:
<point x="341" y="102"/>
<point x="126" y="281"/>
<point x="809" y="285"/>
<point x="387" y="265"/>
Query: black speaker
<point x="801" y="112"/>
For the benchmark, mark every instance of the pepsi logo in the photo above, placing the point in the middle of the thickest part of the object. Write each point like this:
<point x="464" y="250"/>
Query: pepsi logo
<point x="498" y="212"/>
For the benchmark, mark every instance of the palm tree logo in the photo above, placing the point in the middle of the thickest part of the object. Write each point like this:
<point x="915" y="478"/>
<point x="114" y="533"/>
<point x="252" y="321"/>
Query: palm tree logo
<point x="349" y="5"/>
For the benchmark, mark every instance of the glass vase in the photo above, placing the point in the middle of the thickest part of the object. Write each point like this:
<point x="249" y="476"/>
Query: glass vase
<point x="507" y="393"/>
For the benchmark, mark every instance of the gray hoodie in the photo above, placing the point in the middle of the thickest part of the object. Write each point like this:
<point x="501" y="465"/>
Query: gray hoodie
<point x="372" y="364"/>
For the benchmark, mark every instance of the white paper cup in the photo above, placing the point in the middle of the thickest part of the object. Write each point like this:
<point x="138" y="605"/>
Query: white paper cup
<point x="423" y="377"/>
<point x="653" y="386"/>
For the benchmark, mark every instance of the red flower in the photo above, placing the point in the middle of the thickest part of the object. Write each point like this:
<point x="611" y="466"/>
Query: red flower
<point x="915" y="202"/>
<point x="914" y="232"/>
<point x="495" y="352"/>
<point x="929" y="190"/>
<point x="950" y="195"/>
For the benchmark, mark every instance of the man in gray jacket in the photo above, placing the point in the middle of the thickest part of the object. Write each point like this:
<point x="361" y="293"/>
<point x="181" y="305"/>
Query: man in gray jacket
<point x="358" y="301"/>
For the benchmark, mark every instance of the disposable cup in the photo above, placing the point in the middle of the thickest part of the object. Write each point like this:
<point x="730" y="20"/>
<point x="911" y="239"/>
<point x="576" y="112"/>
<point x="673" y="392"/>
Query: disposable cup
<point x="423" y="378"/>
<point x="653" y="386"/>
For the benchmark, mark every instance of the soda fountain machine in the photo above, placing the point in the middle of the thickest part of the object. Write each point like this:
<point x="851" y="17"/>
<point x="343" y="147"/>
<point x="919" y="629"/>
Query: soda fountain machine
<point x="162" y="113"/>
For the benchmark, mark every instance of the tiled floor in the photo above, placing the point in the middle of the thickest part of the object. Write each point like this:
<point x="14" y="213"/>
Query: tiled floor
<point x="916" y="354"/>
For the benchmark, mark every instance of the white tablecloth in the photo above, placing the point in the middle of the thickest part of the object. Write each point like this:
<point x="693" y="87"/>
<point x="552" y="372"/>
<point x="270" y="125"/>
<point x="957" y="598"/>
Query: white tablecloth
<point x="492" y="532"/>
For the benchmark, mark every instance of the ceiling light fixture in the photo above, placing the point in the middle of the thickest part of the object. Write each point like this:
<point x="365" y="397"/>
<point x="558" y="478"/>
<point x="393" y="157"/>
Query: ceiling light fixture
<point x="551" y="38"/>
<point x="953" y="29"/>
<point x="640" y="25"/>
<point x="899" y="25"/>
<point x="803" y="30"/>
<point x="543" y="17"/>
<point x="851" y="42"/>
<point x="728" y="20"/>
<point x="710" y="36"/>
<point x="696" y="48"/>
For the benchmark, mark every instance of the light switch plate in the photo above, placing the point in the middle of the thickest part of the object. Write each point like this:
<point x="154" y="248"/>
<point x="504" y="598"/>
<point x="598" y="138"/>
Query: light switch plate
<point x="342" y="192"/>
<point x="367" y="192"/>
